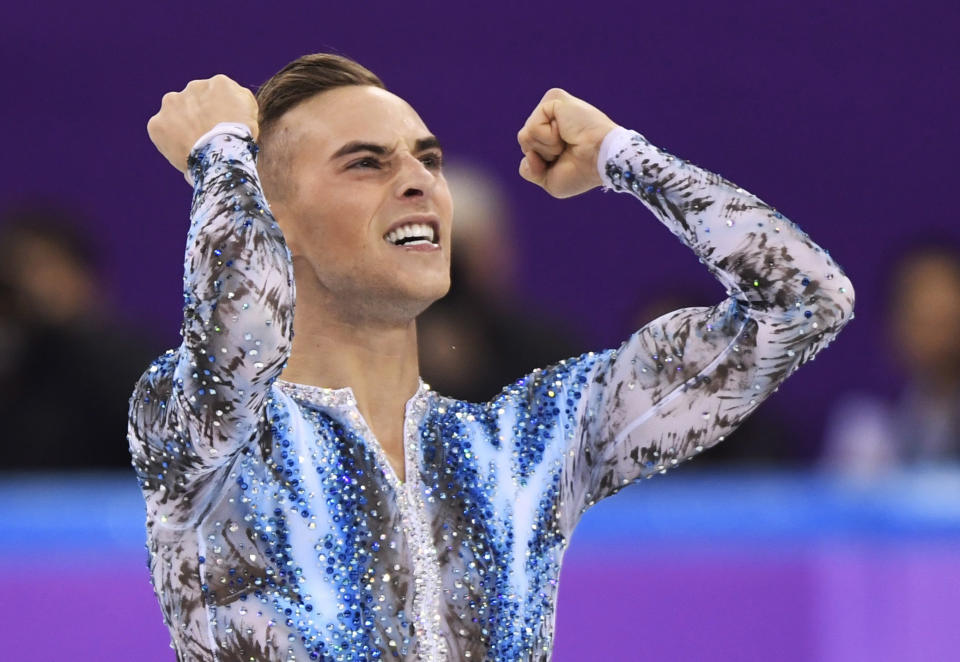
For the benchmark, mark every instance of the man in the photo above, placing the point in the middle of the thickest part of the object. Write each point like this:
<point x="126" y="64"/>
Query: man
<point x="55" y="320"/>
<point x="867" y="434"/>
<point x="347" y="512"/>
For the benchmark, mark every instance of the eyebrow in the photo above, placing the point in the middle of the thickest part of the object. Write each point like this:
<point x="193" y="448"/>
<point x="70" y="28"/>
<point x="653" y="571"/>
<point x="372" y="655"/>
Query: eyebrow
<point x="355" y="146"/>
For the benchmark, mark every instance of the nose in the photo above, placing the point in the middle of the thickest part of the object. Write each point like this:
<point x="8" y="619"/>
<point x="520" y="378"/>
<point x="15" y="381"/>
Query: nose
<point x="414" y="179"/>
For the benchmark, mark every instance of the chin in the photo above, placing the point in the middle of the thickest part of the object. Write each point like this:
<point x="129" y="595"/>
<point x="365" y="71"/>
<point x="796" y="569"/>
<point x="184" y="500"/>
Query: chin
<point x="426" y="297"/>
<point x="406" y="303"/>
<point x="431" y="284"/>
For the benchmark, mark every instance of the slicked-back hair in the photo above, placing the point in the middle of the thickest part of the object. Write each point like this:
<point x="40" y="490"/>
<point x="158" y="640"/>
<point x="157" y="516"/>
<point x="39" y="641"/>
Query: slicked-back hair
<point x="298" y="81"/>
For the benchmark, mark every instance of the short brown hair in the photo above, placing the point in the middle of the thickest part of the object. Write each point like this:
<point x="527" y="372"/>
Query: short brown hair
<point x="300" y="80"/>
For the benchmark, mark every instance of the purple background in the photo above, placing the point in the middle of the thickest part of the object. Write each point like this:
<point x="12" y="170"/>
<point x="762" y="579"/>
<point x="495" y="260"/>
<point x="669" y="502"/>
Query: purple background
<point x="842" y="115"/>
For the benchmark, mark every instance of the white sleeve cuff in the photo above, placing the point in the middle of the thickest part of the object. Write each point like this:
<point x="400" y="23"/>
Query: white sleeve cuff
<point x="223" y="127"/>
<point x="611" y="144"/>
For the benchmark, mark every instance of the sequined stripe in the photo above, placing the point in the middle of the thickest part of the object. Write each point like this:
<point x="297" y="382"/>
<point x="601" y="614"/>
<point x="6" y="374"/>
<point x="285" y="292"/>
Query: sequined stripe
<point x="431" y="646"/>
<point x="426" y="601"/>
<point x="426" y="566"/>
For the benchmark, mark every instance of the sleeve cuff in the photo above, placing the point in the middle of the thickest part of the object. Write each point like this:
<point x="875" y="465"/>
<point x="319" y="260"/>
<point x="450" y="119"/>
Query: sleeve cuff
<point x="233" y="128"/>
<point x="612" y="142"/>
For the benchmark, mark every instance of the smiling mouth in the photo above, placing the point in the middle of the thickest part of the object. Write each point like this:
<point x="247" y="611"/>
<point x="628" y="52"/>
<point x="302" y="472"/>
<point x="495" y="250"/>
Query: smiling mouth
<point x="413" y="234"/>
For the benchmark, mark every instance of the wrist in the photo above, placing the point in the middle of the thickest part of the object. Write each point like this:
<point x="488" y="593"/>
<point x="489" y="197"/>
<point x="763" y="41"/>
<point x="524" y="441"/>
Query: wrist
<point x="233" y="128"/>
<point x="238" y="129"/>
<point x="608" y="148"/>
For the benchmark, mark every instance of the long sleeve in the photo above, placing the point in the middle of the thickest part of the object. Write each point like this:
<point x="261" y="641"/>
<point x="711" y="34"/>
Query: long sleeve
<point x="196" y="406"/>
<point x="687" y="379"/>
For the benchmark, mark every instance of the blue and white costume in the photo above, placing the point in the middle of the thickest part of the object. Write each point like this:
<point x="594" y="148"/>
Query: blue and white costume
<point x="277" y="528"/>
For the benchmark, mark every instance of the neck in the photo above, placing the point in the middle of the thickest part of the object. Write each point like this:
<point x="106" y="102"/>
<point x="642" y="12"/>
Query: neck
<point x="376" y="359"/>
<point x="378" y="362"/>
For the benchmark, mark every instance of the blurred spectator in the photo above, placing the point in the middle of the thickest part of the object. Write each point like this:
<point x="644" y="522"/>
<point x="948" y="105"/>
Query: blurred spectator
<point x="867" y="434"/>
<point x="67" y="367"/>
<point x="479" y="338"/>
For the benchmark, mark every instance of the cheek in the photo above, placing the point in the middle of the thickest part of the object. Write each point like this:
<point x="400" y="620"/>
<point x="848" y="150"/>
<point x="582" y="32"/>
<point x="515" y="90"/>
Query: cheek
<point x="338" y="221"/>
<point x="445" y="209"/>
<point x="445" y="202"/>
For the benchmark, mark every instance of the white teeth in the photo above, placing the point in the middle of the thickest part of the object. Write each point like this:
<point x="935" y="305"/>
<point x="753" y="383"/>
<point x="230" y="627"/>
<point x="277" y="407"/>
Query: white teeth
<point x="412" y="230"/>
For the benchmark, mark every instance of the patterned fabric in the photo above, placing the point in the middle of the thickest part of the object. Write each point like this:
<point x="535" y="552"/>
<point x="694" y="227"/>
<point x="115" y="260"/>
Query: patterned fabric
<point x="278" y="530"/>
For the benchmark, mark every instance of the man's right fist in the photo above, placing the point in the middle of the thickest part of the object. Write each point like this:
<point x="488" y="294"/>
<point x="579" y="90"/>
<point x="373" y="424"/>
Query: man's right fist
<point x="187" y="115"/>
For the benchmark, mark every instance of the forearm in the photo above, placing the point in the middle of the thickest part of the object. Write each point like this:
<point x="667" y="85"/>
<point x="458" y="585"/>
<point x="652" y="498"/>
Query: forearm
<point x="687" y="379"/>
<point x="769" y="265"/>
<point x="238" y="292"/>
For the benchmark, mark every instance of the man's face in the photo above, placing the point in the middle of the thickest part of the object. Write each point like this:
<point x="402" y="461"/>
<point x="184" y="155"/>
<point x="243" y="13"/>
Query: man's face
<point x="364" y="182"/>
<point x="927" y="318"/>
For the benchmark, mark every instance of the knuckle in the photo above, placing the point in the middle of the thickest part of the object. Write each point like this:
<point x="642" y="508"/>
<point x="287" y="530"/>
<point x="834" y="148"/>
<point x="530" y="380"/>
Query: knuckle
<point x="154" y="126"/>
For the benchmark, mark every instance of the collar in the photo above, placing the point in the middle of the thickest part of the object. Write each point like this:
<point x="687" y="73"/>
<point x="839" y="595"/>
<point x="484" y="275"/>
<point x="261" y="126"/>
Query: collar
<point x="339" y="397"/>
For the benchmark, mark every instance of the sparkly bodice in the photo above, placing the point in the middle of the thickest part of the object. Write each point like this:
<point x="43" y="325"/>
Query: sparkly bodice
<point x="276" y="526"/>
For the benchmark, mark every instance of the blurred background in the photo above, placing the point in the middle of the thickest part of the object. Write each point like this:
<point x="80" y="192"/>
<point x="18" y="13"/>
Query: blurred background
<point x="827" y="528"/>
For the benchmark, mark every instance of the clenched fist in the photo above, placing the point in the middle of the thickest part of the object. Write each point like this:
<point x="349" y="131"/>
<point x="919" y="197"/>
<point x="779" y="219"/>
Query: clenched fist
<point x="185" y="116"/>
<point x="561" y="144"/>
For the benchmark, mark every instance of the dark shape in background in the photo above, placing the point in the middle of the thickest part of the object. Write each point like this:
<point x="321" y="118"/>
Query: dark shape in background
<point x="66" y="359"/>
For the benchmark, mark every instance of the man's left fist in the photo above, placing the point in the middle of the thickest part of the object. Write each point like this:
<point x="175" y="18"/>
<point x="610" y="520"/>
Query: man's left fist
<point x="561" y="143"/>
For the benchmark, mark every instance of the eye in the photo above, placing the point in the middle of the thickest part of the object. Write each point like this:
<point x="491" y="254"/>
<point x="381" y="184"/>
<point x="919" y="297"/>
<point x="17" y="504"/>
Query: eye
<point x="432" y="160"/>
<point x="367" y="161"/>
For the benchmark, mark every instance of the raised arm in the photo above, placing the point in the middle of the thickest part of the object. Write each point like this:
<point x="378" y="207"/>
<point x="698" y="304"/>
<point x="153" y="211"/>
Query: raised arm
<point x="197" y="405"/>
<point x="686" y="380"/>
